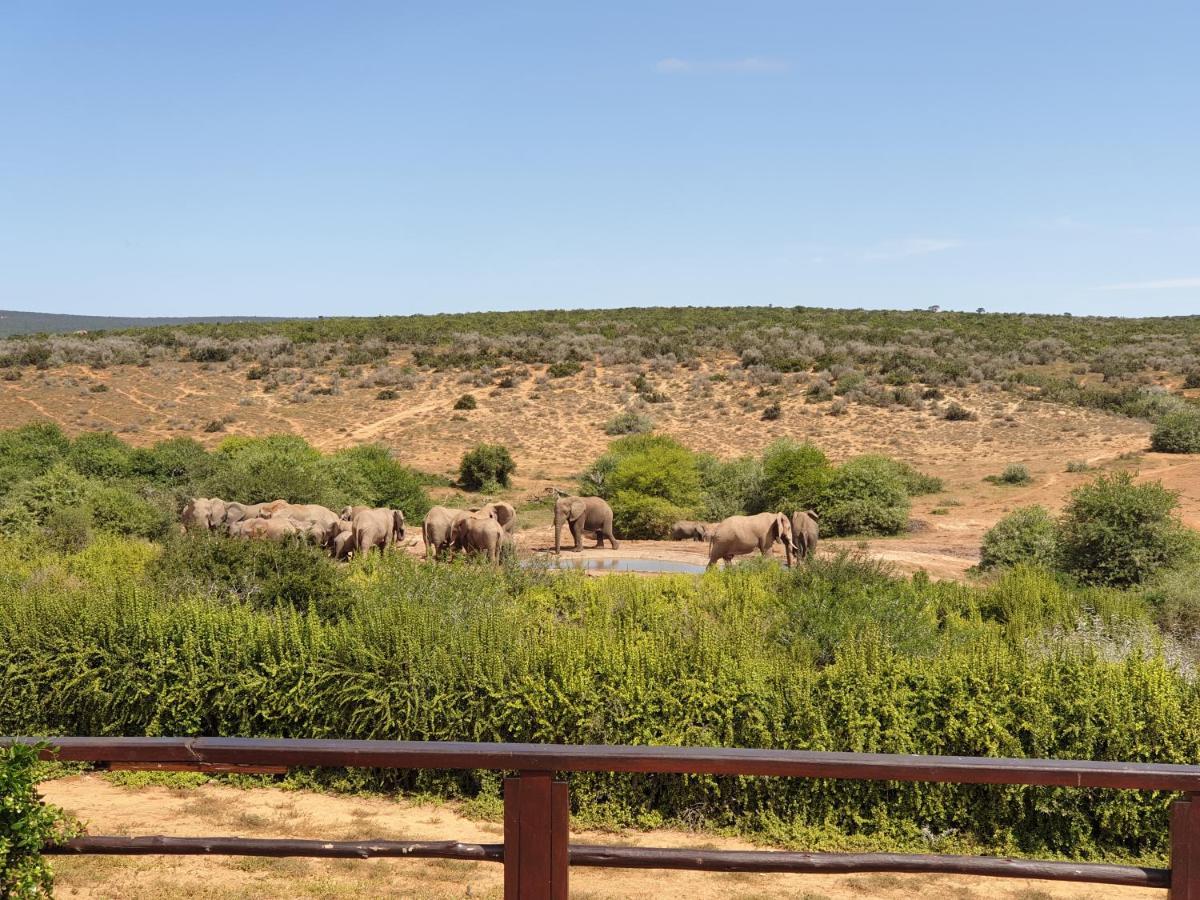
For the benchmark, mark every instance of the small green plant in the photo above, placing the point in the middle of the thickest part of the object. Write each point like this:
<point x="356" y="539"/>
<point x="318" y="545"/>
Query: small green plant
<point x="466" y="401"/>
<point x="564" y="369"/>
<point x="629" y="422"/>
<point x="27" y="824"/>
<point x="1078" y="465"/>
<point x="956" y="412"/>
<point x="1013" y="474"/>
<point x="485" y="466"/>
<point x="1177" y="432"/>
<point x="1026" y="536"/>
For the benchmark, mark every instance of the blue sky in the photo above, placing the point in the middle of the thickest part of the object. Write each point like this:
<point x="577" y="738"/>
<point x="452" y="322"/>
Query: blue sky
<point x="308" y="158"/>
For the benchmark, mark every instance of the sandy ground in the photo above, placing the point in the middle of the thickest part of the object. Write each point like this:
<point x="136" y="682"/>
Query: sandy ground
<point x="219" y="810"/>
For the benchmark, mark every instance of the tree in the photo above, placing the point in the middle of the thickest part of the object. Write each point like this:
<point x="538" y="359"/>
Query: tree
<point x="793" y="477"/>
<point x="485" y="467"/>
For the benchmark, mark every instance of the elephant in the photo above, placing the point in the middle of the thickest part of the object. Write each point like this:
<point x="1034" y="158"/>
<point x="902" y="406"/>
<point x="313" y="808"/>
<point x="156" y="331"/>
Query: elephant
<point x="738" y="535"/>
<point x="274" y="529"/>
<point x="237" y="512"/>
<point x="324" y="521"/>
<point x="343" y="540"/>
<point x="378" y="527"/>
<point x="203" y="514"/>
<point x="502" y="512"/>
<point x="685" y="530"/>
<point x="805" y="530"/>
<point x="584" y="514"/>
<point x="479" y="533"/>
<point x="437" y="527"/>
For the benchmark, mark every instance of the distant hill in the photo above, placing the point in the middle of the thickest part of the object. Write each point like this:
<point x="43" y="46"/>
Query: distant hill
<point x="17" y="322"/>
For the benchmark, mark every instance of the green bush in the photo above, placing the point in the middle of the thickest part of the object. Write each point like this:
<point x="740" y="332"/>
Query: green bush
<point x="794" y="476"/>
<point x="486" y="466"/>
<point x="119" y="510"/>
<point x="368" y="476"/>
<point x="629" y="422"/>
<point x="257" y="470"/>
<point x="772" y="412"/>
<point x="466" y="401"/>
<point x="956" y="412"/>
<point x="30" y="503"/>
<point x="29" y="451"/>
<point x="1013" y="474"/>
<point x="916" y="483"/>
<point x="1028" y="535"/>
<point x="177" y="462"/>
<point x="1177" y="432"/>
<point x="727" y="487"/>
<point x="655" y="466"/>
<point x="101" y="454"/>
<point x="642" y="517"/>
<point x="265" y="574"/>
<point x="27" y="824"/>
<point x="865" y="495"/>
<point x="1175" y="598"/>
<point x="1117" y="532"/>
<point x="69" y="530"/>
<point x="564" y="369"/>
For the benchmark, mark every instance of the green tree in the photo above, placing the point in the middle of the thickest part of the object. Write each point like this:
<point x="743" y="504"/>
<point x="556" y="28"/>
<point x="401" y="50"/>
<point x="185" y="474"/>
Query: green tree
<point x="101" y="454"/>
<point x="1117" y="532"/>
<point x="485" y="467"/>
<point x="865" y="495"/>
<point x="794" y="476"/>
<point x="368" y="476"/>
<point x="256" y="470"/>
<point x="1028" y="535"/>
<point x="29" y="451"/>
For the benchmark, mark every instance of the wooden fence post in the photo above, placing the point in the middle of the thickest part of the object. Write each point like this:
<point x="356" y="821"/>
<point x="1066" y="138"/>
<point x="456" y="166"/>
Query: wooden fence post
<point x="536" y="831"/>
<point x="1185" y="848"/>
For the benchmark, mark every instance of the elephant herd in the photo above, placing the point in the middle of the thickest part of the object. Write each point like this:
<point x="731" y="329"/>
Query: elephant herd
<point x="357" y="529"/>
<point x="485" y="530"/>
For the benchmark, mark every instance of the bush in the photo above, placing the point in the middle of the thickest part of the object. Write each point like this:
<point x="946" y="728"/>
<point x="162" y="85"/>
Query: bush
<point x="956" y="412"/>
<point x="466" y="401"/>
<point x="1191" y="380"/>
<point x="794" y="476"/>
<point x="564" y="369"/>
<point x="655" y="466"/>
<point x="1013" y="474"/>
<point x="916" y="483"/>
<point x="1028" y="535"/>
<point x="214" y="426"/>
<point x="69" y="530"/>
<point x="772" y="412"/>
<point x="629" y="422"/>
<point x="368" y="476"/>
<point x="1175" y="598"/>
<point x="29" y="451"/>
<point x="864" y="496"/>
<point x="727" y="487"/>
<point x="642" y="517"/>
<point x="117" y="509"/>
<point x="262" y="573"/>
<point x="1116" y="532"/>
<point x="1177" y="432"/>
<point x="27" y="824"/>
<point x="30" y="503"/>
<point x="257" y="470"/>
<point x="387" y="394"/>
<point x="257" y="372"/>
<point x="101" y="454"/>
<point x="485" y="466"/>
<point x="1078" y="465"/>
<point x="178" y="461"/>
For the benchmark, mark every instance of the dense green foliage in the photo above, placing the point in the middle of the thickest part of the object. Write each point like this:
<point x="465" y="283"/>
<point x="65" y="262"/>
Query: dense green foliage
<point x="864" y="495"/>
<point x="1114" y="531"/>
<point x="486" y="467"/>
<point x="26" y="825"/>
<point x="794" y="476"/>
<point x="836" y="655"/>
<point x="1026" y="536"/>
<point x="69" y="490"/>
<point x="1177" y="432"/>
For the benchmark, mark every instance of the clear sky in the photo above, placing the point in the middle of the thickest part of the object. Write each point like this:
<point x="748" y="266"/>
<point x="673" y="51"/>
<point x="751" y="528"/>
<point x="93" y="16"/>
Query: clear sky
<point x="358" y="158"/>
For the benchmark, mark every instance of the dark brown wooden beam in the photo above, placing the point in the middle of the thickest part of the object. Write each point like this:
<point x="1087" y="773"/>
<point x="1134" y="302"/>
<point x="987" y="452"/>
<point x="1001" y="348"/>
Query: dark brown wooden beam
<point x="275" y="847"/>
<point x="584" y="758"/>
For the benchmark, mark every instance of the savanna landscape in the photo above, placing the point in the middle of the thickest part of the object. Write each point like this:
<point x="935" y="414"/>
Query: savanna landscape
<point x="1007" y="566"/>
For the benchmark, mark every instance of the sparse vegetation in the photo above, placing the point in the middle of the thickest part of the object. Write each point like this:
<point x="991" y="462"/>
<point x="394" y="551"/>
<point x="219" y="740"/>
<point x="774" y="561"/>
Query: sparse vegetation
<point x="1014" y="474"/>
<point x="629" y="422"/>
<point x="466" y="401"/>
<point x="956" y="412"/>
<point x="26" y="825"/>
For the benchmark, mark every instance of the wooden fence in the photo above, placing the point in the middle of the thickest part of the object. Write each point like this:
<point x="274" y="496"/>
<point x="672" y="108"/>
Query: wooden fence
<point x="536" y="853"/>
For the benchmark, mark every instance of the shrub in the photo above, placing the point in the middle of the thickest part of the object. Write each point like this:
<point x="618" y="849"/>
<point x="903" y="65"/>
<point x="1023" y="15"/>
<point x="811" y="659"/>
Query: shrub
<point x="257" y="470"/>
<point x="262" y="573"/>
<point x="1191" y="379"/>
<point x="729" y="487"/>
<point x="119" y="510"/>
<point x="29" y="451"/>
<point x="210" y="351"/>
<point x="214" y="426"/>
<point x="369" y="476"/>
<point x="1013" y="474"/>
<point x="1028" y="535"/>
<point x="643" y="517"/>
<point x="484" y="466"/>
<point x="100" y="454"/>
<point x="956" y="412"/>
<point x="864" y="496"/>
<point x="916" y="483"/>
<point x="772" y="412"/>
<point x="564" y="369"/>
<point x="257" y="372"/>
<point x="1177" y="432"/>
<point x="1116" y="532"/>
<point x="69" y="530"/>
<point x="1078" y="465"/>
<point x="30" y="503"/>
<point x="1175" y="597"/>
<point x="466" y="401"/>
<point x="177" y="461"/>
<point x="27" y="824"/>
<point x="655" y="466"/>
<point x="794" y="476"/>
<point x="629" y="422"/>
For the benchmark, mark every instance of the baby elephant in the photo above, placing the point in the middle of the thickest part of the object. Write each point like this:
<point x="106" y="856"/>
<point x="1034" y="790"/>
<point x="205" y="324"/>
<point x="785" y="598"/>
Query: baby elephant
<point x="478" y="533"/>
<point x="805" y="531"/>
<point x="684" y="530"/>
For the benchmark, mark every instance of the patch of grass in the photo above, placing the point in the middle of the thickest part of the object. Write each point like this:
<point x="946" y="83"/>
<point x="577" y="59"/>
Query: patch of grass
<point x="1014" y="474"/>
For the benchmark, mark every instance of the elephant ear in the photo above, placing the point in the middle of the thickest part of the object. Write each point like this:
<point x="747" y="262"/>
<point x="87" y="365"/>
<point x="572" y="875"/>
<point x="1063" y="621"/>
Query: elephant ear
<point x="217" y="511"/>
<point x="578" y="508"/>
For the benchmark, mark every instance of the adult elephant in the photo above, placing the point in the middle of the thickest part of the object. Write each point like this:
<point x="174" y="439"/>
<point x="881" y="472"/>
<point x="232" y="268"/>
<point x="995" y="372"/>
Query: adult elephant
<point x="374" y="527"/>
<point x="277" y="529"/>
<point x="239" y="512"/>
<point x="477" y="533"/>
<point x="323" y="521"/>
<point x="504" y="513"/>
<point x="590" y="514"/>
<point x="437" y="527"/>
<point x="685" y="530"/>
<point x="203" y="514"/>
<point x="805" y="531"/>
<point x="739" y="535"/>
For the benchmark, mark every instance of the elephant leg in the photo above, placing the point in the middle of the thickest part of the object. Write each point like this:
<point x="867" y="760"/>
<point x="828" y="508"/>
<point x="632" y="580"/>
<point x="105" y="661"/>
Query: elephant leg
<point x="577" y="533"/>
<point x="599" y="539"/>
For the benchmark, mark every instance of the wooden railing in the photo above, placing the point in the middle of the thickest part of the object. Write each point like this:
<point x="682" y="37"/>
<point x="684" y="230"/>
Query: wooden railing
<point x="536" y="852"/>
